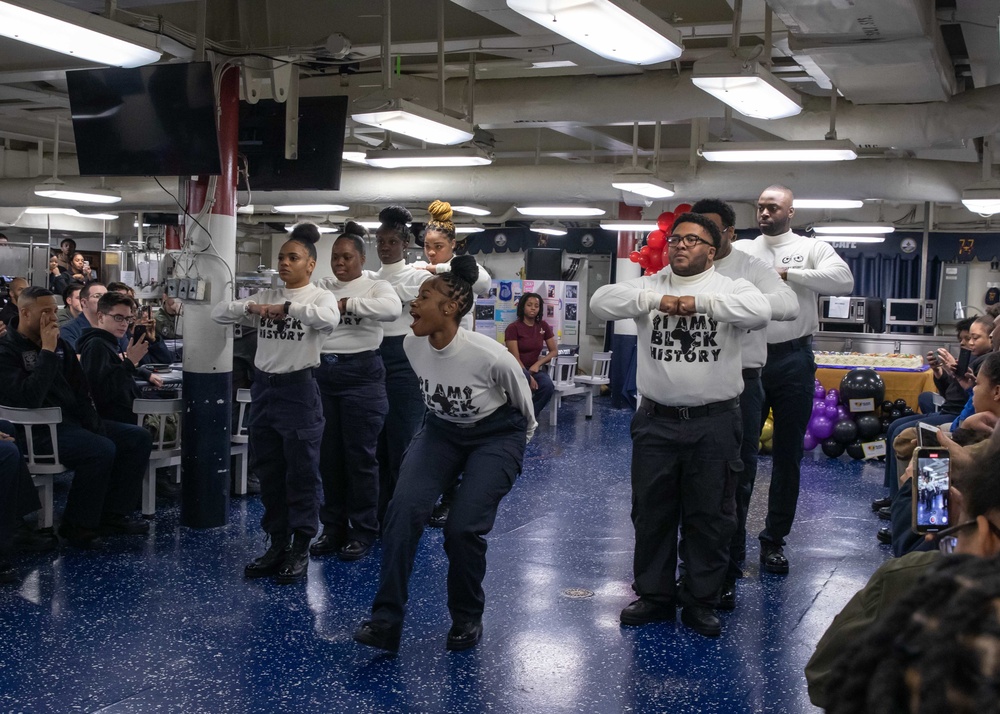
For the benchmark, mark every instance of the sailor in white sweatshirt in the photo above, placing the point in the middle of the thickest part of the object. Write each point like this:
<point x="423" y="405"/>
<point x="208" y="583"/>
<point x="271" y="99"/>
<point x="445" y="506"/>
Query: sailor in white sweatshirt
<point x="784" y="306"/>
<point x="351" y="381"/>
<point x="286" y="415"/>
<point x="811" y="268"/>
<point x="686" y="432"/>
<point x="479" y="419"/>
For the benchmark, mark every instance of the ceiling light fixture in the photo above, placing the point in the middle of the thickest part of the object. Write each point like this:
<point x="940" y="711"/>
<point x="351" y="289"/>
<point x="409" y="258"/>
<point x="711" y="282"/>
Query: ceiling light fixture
<point x="852" y="228"/>
<point x="471" y="209"/>
<point x="560" y="211"/>
<point x="764" y="151"/>
<point x="460" y="230"/>
<point x="99" y="216"/>
<point x="49" y="211"/>
<point x="619" y="30"/>
<point x="553" y="64"/>
<point x="983" y="197"/>
<point x="827" y="203"/>
<point x="747" y="86"/>
<point x="54" y="188"/>
<point x="311" y="208"/>
<point x="402" y="117"/>
<point x="56" y="27"/>
<point x="354" y="151"/>
<point x="428" y="158"/>
<point x="369" y="225"/>
<point x="626" y="226"/>
<point x="322" y="229"/>
<point x="850" y="239"/>
<point x="549" y="228"/>
<point x="644" y="182"/>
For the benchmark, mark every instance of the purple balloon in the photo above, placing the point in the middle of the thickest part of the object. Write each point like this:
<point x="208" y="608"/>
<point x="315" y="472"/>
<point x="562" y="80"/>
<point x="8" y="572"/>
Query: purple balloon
<point x="842" y="412"/>
<point x="819" y="391"/>
<point x="809" y="442"/>
<point x="835" y="393"/>
<point x="819" y="405"/>
<point x="821" y="427"/>
<point x="832" y="412"/>
<point x="831" y="398"/>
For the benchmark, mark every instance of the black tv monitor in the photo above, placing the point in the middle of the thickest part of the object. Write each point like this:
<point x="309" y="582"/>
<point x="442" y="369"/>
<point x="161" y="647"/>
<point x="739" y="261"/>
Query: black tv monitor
<point x="157" y="120"/>
<point x="322" y="122"/>
<point x="543" y="264"/>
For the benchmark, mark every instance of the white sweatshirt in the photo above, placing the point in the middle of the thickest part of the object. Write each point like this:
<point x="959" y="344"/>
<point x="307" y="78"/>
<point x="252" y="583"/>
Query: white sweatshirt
<point x="369" y="304"/>
<point x="480" y="288"/>
<point x="296" y="344"/>
<point x="469" y="379"/>
<point x="406" y="281"/>
<point x="814" y="269"/>
<point x="784" y="303"/>
<point x="687" y="361"/>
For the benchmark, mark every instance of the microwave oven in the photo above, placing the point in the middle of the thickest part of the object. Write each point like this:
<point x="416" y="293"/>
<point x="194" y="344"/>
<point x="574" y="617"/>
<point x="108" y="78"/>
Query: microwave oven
<point x="860" y="314"/>
<point x="915" y="313"/>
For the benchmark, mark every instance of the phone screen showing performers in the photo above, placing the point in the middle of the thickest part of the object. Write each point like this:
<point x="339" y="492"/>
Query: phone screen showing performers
<point x="930" y="490"/>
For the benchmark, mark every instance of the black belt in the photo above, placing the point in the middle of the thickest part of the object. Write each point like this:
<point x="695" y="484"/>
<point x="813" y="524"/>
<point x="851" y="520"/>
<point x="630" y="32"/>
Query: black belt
<point x="279" y="380"/>
<point x="334" y="358"/>
<point x="799" y="343"/>
<point x="690" y="412"/>
<point x="750" y="373"/>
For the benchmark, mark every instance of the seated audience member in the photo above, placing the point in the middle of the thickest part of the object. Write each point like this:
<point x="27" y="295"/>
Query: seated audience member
<point x="980" y="344"/>
<point x="90" y="295"/>
<point x="58" y="279"/>
<point x="975" y="508"/>
<point x="524" y="339"/>
<point x="9" y="310"/>
<point x="158" y="352"/>
<point x="71" y="303"/>
<point x="79" y="269"/>
<point x="167" y="318"/>
<point x="109" y="459"/>
<point x="111" y="372"/>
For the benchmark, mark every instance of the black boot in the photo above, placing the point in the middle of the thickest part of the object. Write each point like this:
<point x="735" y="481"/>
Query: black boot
<point x="296" y="564"/>
<point x="269" y="563"/>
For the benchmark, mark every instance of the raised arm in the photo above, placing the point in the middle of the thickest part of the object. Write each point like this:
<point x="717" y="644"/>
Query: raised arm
<point x="621" y="301"/>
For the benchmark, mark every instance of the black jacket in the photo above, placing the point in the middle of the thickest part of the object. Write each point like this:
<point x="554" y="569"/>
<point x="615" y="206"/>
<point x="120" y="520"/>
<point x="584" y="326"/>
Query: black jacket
<point x="33" y="378"/>
<point x="113" y="377"/>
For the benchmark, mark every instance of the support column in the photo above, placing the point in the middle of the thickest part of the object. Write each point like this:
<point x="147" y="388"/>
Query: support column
<point x="208" y="347"/>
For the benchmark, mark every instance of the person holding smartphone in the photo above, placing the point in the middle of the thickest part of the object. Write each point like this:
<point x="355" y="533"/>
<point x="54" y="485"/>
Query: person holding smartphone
<point x="980" y="345"/>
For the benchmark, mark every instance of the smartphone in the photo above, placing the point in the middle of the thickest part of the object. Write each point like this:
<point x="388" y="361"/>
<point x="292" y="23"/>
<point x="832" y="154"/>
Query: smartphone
<point x="931" y="481"/>
<point x="927" y="435"/>
<point x="963" y="363"/>
<point x="138" y="333"/>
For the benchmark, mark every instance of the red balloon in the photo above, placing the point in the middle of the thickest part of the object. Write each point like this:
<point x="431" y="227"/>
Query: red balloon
<point x="683" y="208"/>
<point x="634" y="256"/>
<point x="665" y="221"/>
<point x="644" y="260"/>
<point x="656" y="259"/>
<point x="665" y="257"/>
<point x="656" y="240"/>
<point x="645" y="250"/>
<point x="648" y="272"/>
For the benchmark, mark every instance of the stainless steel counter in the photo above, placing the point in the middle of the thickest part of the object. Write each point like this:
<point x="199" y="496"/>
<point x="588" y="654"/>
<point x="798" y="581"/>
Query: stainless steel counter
<point x="891" y="343"/>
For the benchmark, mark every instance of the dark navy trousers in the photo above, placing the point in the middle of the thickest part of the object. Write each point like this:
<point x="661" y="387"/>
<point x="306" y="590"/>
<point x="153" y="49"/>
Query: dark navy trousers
<point x="489" y="453"/>
<point x="352" y="389"/>
<point x="285" y="429"/>
<point x="750" y="404"/>
<point x="406" y="411"/>
<point x="18" y="496"/>
<point x="543" y="395"/>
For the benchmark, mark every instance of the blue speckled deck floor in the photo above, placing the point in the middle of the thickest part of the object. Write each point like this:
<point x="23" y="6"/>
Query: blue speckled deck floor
<point x="168" y="624"/>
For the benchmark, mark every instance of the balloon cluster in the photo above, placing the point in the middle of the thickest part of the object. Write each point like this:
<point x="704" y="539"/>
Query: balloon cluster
<point x="835" y="428"/>
<point x="767" y="433"/>
<point x="653" y="255"/>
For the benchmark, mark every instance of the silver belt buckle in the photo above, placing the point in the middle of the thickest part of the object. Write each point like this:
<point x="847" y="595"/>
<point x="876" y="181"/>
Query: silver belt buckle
<point x="682" y="413"/>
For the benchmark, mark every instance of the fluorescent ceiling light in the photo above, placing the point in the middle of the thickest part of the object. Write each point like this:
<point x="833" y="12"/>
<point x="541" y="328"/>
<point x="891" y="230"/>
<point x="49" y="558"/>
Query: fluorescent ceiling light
<point x="459" y="230"/>
<point x="471" y="209"/>
<point x="322" y="229"/>
<point x="549" y="228"/>
<point x="73" y="32"/>
<point x="625" y="226"/>
<point x="850" y="239"/>
<point x="826" y="203"/>
<point x="99" y="216"/>
<point x="54" y="188"/>
<point x="311" y="208"/>
<point x="428" y="158"/>
<point x="403" y="117"/>
<point x="49" y="211"/>
<point x="747" y="87"/>
<point x="553" y="64"/>
<point x="642" y="181"/>
<point x="761" y="151"/>
<point x="852" y="228"/>
<point x="619" y="30"/>
<point x="560" y="211"/>
<point x="983" y="198"/>
<point x="369" y="225"/>
<point x="354" y="151"/>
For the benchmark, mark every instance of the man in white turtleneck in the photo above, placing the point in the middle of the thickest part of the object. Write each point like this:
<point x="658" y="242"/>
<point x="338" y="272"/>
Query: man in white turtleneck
<point x="812" y="268"/>
<point x="686" y="433"/>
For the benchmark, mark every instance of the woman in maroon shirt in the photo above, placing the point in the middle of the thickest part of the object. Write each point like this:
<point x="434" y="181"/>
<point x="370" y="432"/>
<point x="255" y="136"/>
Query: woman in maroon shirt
<point x="525" y="339"/>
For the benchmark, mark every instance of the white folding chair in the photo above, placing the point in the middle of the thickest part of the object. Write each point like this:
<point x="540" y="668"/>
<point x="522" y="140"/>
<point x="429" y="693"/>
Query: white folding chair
<point x="563" y="375"/>
<point x="41" y="466"/>
<point x="166" y="451"/>
<point x="593" y="382"/>
<point x="240" y="446"/>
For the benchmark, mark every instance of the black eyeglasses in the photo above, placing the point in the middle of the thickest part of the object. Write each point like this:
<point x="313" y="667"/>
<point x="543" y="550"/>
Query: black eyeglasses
<point x="947" y="541"/>
<point x="121" y="318"/>
<point x="688" y="241"/>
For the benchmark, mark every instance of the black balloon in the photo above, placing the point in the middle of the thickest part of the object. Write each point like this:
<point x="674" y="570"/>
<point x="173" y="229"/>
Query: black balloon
<point x="887" y="406"/>
<point x="895" y="414"/>
<point x="845" y="431"/>
<point x="885" y="421"/>
<point x="899" y="404"/>
<point x="862" y="384"/>
<point x="868" y="427"/>
<point x="856" y="450"/>
<point x="908" y="412"/>
<point x="833" y="448"/>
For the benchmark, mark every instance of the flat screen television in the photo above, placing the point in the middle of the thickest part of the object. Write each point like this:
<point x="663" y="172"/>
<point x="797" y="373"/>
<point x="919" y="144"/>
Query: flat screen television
<point x="322" y="122"/>
<point x="543" y="264"/>
<point x="157" y="120"/>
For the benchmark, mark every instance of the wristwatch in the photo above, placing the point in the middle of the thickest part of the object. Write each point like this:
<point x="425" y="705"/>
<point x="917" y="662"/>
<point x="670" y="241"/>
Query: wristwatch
<point x="288" y="304"/>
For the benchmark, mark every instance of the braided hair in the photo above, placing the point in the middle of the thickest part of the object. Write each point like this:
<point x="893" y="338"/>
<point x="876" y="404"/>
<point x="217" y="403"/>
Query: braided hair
<point x="458" y="283"/>
<point x="937" y="649"/>
<point x="441" y="222"/>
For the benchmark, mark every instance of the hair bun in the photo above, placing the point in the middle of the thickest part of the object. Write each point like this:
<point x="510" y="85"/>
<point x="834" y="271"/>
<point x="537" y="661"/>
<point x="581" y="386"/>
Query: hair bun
<point x="306" y="231"/>
<point x="440" y="211"/>
<point x="354" y="228"/>
<point x="394" y="215"/>
<point x="465" y="268"/>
